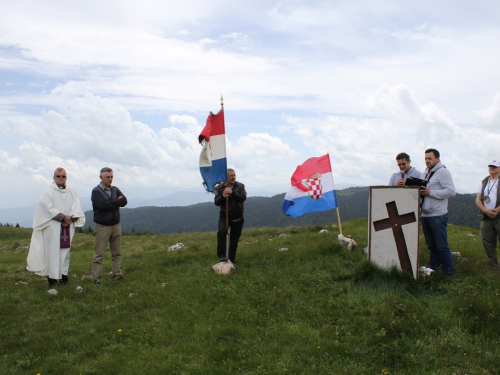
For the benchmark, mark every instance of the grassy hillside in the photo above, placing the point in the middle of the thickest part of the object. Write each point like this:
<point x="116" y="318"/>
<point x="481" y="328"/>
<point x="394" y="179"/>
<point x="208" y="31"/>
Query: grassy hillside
<point x="312" y="309"/>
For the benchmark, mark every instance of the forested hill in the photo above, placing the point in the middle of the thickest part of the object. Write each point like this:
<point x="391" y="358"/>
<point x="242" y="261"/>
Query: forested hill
<point x="265" y="211"/>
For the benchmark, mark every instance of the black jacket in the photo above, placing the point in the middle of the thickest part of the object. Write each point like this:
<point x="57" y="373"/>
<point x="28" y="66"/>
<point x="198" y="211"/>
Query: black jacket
<point x="236" y="199"/>
<point x="107" y="210"/>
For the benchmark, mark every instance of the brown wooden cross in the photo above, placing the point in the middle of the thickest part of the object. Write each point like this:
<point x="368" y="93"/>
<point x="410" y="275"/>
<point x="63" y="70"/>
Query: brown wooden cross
<point x="396" y="222"/>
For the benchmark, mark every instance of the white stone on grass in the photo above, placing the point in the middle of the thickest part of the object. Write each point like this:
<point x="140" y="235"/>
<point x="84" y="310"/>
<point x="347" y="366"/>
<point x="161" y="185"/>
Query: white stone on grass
<point x="426" y="271"/>
<point x="224" y="268"/>
<point x="53" y="292"/>
<point x="175" y="247"/>
<point x="346" y="242"/>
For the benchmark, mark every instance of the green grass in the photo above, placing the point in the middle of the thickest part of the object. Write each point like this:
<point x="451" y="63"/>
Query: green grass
<point x="314" y="309"/>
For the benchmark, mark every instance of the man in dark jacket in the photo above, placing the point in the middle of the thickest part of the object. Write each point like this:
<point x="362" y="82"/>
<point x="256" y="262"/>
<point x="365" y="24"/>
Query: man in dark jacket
<point x="106" y="202"/>
<point x="233" y="194"/>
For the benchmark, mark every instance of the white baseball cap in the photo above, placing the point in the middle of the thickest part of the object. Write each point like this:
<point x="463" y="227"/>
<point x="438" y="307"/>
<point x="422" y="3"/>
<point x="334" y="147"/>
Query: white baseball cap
<point x="494" y="162"/>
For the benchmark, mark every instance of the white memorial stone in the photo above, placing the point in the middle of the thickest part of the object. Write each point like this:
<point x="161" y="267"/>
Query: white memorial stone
<point x="393" y="228"/>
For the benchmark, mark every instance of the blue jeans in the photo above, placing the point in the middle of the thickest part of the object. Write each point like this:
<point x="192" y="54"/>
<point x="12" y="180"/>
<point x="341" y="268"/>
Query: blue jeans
<point x="436" y="239"/>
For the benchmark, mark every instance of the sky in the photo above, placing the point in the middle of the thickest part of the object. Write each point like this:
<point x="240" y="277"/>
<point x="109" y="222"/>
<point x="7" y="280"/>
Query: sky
<point x="129" y="85"/>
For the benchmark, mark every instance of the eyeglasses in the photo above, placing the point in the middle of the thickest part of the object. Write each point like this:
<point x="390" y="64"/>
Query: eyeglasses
<point x="60" y="176"/>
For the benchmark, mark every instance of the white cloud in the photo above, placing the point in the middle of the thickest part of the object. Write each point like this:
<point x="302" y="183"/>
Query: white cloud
<point x="90" y="84"/>
<point x="8" y="162"/>
<point x="489" y="117"/>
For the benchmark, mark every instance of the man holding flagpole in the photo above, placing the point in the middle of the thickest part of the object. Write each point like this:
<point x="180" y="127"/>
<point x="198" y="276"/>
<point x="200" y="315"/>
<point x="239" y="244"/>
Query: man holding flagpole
<point x="230" y="197"/>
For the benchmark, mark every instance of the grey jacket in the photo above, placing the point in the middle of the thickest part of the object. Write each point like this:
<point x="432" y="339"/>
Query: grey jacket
<point x="412" y="172"/>
<point x="442" y="188"/>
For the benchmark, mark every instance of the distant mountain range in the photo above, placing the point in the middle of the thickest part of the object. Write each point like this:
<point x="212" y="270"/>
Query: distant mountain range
<point x="267" y="212"/>
<point x="177" y="213"/>
<point x="159" y="196"/>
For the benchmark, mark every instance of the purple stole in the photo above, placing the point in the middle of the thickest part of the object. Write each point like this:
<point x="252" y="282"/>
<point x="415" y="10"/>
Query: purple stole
<point x="65" y="240"/>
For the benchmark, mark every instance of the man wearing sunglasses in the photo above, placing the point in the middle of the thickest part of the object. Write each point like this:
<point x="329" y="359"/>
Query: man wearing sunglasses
<point x="405" y="170"/>
<point x="57" y="213"/>
<point x="488" y="201"/>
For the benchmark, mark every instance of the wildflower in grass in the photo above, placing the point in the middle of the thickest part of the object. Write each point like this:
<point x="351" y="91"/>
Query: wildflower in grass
<point x="119" y="330"/>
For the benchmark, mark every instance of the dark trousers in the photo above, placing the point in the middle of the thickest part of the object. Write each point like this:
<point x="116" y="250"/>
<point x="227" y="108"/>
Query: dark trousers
<point x="490" y="233"/>
<point x="235" y="228"/>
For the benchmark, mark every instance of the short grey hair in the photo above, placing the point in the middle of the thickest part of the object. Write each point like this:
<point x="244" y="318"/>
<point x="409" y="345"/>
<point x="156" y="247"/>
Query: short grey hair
<point x="59" y="169"/>
<point x="230" y="170"/>
<point x="106" y="169"/>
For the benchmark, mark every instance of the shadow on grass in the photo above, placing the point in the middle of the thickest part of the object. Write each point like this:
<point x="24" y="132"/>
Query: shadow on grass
<point x="370" y="275"/>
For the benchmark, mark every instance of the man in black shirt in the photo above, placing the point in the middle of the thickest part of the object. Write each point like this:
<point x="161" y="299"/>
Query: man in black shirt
<point x="235" y="194"/>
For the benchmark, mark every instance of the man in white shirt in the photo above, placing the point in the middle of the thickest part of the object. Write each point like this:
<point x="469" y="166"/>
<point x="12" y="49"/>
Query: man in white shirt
<point x="488" y="201"/>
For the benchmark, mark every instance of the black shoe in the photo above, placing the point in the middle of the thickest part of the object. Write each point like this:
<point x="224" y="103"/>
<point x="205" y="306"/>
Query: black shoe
<point x="222" y="259"/>
<point x="118" y="277"/>
<point x="64" y="280"/>
<point x="52" y="282"/>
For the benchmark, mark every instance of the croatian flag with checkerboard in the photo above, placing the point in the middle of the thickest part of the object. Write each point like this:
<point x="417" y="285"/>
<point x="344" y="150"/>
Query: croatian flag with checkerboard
<point x="312" y="188"/>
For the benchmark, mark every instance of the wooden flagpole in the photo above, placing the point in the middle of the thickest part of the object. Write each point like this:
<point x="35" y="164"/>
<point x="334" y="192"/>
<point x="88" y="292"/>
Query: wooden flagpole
<point x="337" y="208"/>
<point x="338" y="218"/>
<point x="227" y="198"/>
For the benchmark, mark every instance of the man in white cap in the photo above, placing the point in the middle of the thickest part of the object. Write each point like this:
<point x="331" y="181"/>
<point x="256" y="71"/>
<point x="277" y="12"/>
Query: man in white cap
<point x="488" y="201"/>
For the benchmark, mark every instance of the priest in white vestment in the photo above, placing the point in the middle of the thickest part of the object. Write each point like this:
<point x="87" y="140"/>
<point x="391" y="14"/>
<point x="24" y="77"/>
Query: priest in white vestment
<point x="58" y="209"/>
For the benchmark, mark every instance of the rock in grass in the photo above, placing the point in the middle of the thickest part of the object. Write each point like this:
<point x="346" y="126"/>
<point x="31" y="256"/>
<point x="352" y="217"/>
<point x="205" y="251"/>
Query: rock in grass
<point x="177" y="246"/>
<point x="224" y="268"/>
<point x="347" y="242"/>
<point x="426" y="271"/>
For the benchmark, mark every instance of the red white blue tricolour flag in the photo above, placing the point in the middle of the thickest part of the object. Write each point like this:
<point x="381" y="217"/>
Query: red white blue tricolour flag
<point x="213" y="162"/>
<point x="312" y="188"/>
